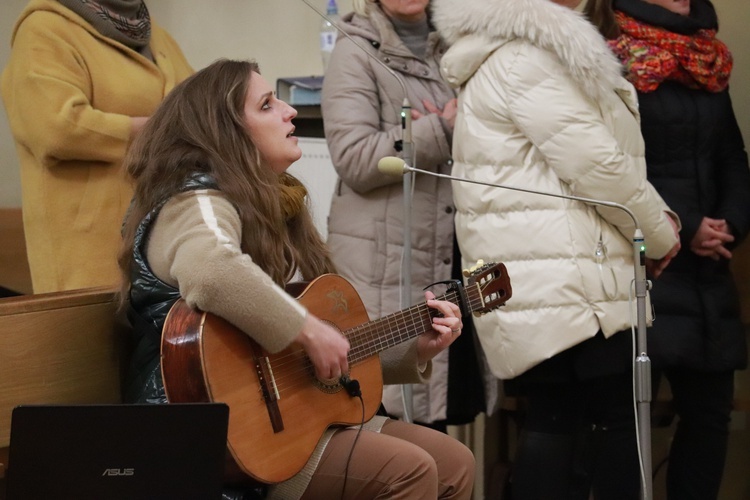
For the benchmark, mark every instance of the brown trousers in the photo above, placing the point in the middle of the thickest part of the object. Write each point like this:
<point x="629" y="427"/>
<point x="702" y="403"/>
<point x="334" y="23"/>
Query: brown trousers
<point x="403" y="461"/>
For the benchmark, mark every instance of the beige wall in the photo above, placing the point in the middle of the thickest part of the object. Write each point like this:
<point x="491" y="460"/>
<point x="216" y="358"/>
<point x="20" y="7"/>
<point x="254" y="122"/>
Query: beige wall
<point x="282" y="35"/>
<point x="10" y="184"/>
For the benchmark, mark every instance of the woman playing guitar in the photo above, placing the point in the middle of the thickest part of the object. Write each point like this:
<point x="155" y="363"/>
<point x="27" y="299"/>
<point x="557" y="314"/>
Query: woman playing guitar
<point x="217" y="222"/>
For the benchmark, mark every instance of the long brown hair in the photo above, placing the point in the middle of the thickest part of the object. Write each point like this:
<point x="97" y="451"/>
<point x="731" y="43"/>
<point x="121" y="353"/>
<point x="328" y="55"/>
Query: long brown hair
<point x="200" y="127"/>
<point x="602" y="15"/>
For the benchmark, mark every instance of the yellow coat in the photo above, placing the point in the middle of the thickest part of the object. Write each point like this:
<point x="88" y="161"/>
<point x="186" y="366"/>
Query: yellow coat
<point x="69" y="93"/>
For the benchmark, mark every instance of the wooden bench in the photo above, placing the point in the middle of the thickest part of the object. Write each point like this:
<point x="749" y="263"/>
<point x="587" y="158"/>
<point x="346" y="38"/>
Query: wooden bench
<point x="58" y="348"/>
<point x="14" y="267"/>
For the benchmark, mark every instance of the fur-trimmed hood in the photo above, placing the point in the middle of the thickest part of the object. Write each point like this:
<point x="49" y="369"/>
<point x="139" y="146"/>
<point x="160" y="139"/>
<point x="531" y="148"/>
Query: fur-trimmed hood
<point x="476" y="28"/>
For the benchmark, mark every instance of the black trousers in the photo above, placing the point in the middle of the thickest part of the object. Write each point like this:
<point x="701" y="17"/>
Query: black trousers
<point x="703" y="402"/>
<point x="578" y="435"/>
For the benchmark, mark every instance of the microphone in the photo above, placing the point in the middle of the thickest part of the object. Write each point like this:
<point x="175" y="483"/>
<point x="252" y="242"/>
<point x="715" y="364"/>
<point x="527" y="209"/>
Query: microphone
<point x="392" y="165"/>
<point x="351" y="386"/>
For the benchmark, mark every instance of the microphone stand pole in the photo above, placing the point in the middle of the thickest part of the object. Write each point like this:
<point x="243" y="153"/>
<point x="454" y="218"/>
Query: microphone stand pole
<point x="642" y="363"/>
<point x="407" y="153"/>
<point x="642" y="366"/>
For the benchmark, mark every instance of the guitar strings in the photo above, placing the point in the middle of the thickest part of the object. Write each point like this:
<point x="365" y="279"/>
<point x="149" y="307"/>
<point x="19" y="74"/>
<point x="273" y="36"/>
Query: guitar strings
<point x="367" y="338"/>
<point x="363" y="338"/>
<point x="303" y="372"/>
<point x="371" y="332"/>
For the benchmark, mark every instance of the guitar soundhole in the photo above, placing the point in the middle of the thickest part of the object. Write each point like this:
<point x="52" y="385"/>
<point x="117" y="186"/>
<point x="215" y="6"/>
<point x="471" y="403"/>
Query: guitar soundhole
<point x="329" y="387"/>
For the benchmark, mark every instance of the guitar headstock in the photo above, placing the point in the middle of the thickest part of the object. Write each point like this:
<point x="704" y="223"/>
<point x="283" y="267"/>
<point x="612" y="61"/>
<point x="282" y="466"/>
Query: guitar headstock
<point x="488" y="286"/>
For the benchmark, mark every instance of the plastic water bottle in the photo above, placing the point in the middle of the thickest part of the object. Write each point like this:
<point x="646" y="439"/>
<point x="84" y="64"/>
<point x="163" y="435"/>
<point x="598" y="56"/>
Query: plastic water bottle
<point x="328" y="32"/>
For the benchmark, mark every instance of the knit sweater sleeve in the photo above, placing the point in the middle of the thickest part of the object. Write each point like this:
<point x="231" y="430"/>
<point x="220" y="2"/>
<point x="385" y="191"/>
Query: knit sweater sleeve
<point x="400" y="366"/>
<point x="195" y="246"/>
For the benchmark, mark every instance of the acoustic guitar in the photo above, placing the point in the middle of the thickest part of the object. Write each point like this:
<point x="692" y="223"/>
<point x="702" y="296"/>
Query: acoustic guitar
<point x="278" y="408"/>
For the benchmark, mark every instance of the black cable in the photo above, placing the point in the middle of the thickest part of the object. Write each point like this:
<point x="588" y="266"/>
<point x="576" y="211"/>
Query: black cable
<point x="352" y="388"/>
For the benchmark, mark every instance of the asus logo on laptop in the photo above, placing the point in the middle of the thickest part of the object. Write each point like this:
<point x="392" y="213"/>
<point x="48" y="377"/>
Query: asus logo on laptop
<point x="115" y="451"/>
<point x="119" y="472"/>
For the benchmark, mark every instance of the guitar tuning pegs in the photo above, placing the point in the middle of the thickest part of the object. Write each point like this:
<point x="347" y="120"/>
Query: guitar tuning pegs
<point x="476" y="266"/>
<point x="472" y="269"/>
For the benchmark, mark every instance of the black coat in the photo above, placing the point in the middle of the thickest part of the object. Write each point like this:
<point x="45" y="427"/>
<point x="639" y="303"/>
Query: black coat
<point x="696" y="160"/>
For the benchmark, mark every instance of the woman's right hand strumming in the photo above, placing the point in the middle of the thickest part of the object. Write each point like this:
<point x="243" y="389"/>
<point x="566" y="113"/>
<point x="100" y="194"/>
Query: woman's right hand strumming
<point x="326" y="347"/>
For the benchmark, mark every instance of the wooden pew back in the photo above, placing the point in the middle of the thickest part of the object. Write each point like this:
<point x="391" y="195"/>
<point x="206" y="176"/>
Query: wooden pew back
<point x="14" y="267"/>
<point x="58" y="348"/>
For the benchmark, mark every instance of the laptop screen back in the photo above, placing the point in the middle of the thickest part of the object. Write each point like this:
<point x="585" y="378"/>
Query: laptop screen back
<point x="170" y="451"/>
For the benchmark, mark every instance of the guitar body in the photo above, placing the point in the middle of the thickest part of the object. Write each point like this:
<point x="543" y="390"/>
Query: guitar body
<point x="278" y="408"/>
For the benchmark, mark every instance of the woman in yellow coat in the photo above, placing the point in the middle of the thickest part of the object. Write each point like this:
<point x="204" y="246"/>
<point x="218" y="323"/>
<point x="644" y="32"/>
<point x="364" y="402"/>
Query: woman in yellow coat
<point x="82" y="79"/>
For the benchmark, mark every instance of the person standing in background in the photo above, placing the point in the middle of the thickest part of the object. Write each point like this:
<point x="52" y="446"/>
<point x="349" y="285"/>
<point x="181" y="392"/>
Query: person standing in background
<point x="361" y="105"/>
<point x="82" y="79"/>
<point x="697" y="161"/>
<point x="543" y="106"/>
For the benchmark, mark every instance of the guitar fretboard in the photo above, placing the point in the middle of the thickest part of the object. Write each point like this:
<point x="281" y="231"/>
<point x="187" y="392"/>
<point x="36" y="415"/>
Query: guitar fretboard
<point x="376" y="336"/>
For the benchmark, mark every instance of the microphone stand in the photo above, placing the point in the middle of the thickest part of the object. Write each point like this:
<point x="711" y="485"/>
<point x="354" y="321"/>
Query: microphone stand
<point x="642" y="363"/>
<point x="407" y="393"/>
<point x="407" y="152"/>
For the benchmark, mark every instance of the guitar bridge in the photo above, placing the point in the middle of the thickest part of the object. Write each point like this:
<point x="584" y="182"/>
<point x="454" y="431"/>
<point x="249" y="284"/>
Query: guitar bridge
<point x="270" y="391"/>
<point x="272" y="379"/>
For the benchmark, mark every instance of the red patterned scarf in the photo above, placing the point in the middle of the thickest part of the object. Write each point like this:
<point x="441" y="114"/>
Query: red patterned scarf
<point x="652" y="55"/>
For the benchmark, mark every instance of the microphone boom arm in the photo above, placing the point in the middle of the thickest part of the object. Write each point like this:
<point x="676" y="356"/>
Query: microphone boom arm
<point x="407" y="168"/>
<point x="392" y="165"/>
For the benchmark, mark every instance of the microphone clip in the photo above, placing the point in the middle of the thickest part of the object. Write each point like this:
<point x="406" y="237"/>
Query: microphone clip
<point x="351" y="386"/>
<point x="398" y="145"/>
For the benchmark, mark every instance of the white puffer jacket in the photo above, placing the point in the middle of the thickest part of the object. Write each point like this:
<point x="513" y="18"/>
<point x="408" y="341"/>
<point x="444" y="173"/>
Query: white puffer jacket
<point x="542" y="106"/>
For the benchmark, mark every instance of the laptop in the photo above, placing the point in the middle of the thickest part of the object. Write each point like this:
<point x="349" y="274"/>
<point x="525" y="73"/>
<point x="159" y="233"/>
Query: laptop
<point x="113" y="452"/>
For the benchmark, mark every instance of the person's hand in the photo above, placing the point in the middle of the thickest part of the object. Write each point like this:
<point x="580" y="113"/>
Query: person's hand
<point x="448" y="113"/>
<point x="326" y="347"/>
<point x="445" y="329"/>
<point x="710" y="238"/>
<point x="655" y="267"/>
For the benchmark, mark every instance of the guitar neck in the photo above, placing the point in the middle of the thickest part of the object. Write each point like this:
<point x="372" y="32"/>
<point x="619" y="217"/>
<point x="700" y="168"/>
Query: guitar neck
<point x="378" y="335"/>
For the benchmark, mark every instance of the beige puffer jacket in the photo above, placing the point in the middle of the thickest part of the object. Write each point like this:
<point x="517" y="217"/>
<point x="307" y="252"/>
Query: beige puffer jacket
<point x="542" y="106"/>
<point x="361" y="106"/>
